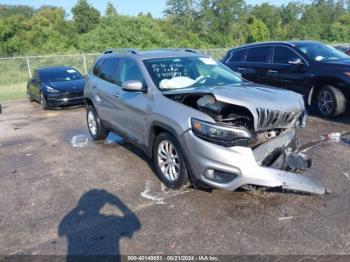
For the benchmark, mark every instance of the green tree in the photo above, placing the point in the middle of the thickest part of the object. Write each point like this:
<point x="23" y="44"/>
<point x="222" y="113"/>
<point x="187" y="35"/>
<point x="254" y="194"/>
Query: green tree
<point x="182" y="13"/>
<point x="256" y="30"/>
<point x="85" y="16"/>
<point x="110" y="10"/>
<point x="270" y="15"/>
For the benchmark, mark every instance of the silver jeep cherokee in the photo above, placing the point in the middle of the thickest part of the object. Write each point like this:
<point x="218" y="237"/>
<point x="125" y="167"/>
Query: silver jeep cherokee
<point x="199" y="121"/>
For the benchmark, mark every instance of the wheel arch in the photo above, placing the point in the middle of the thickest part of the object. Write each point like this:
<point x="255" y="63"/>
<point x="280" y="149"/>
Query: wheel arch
<point x="88" y="102"/>
<point x="317" y="83"/>
<point x="156" y="129"/>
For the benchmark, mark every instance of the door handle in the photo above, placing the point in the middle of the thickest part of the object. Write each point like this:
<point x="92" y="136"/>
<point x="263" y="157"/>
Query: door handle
<point x="117" y="95"/>
<point x="241" y="69"/>
<point x="94" y="86"/>
<point x="273" y="72"/>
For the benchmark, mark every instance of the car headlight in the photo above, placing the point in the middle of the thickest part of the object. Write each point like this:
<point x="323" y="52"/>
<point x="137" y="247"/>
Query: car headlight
<point x="51" y="90"/>
<point x="221" y="135"/>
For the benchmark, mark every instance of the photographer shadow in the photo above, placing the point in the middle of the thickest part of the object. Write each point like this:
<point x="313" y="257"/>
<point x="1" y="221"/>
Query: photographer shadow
<point x="93" y="236"/>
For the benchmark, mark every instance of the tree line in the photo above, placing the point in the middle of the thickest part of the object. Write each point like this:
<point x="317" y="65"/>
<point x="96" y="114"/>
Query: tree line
<point x="186" y="23"/>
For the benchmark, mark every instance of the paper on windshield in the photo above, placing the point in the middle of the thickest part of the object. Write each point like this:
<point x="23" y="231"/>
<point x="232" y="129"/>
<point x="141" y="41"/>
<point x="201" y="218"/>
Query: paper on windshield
<point x="71" y="71"/>
<point x="176" y="82"/>
<point x="208" y="61"/>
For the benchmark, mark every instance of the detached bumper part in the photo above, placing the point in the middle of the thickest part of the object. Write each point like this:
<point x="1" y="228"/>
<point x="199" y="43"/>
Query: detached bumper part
<point x="245" y="165"/>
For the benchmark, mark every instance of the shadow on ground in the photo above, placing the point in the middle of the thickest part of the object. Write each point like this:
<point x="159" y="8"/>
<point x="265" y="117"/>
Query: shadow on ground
<point x="93" y="235"/>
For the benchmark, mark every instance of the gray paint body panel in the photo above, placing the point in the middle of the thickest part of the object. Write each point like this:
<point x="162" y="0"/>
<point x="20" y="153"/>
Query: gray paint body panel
<point x="135" y="113"/>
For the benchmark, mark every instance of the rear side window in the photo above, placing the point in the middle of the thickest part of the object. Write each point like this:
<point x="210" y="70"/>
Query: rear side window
<point x="258" y="54"/>
<point x="238" y="56"/>
<point x="282" y="55"/>
<point x="109" y="70"/>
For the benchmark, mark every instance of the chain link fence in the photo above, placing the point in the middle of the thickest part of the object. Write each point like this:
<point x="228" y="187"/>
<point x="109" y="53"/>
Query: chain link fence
<point x="15" y="71"/>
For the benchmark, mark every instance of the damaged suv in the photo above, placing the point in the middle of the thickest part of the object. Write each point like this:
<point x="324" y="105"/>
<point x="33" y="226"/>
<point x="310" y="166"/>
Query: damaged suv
<point x="199" y="121"/>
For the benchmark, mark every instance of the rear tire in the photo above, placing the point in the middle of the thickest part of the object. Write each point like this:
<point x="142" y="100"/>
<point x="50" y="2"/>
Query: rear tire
<point x="170" y="162"/>
<point x="331" y="102"/>
<point x="96" y="129"/>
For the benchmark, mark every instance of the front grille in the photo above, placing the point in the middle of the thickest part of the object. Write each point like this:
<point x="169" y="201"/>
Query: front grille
<point x="72" y="94"/>
<point x="275" y="119"/>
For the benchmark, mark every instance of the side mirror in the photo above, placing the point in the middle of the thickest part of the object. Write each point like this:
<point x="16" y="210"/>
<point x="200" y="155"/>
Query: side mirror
<point x="296" y="62"/>
<point x="133" y="86"/>
<point x="34" y="81"/>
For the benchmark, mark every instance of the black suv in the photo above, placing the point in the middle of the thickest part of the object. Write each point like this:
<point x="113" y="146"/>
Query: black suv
<point x="319" y="72"/>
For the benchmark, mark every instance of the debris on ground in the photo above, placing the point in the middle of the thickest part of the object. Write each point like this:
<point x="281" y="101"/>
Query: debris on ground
<point x="152" y="192"/>
<point x="334" y="137"/>
<point x="79" y="141"/>
<point x="285" y="218"/>
<point x="114" y="139"/>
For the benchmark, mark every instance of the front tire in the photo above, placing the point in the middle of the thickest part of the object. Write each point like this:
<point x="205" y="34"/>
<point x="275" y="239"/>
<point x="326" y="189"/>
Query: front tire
<point x="331" y="102"/>
<point x="96" y="129"/>
<point x="169" y="162"/>
<point x="29" y="96"/>
<point x="43" y="102"/>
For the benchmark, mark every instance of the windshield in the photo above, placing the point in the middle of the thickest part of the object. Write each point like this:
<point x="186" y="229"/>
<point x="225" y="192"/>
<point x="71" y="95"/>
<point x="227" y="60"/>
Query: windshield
<point x="320" y="52"/>
<point x="178" y="73"/>
<point x="60" y="75"/>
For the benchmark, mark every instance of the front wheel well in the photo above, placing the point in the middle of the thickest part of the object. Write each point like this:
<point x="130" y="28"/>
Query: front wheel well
<point x="313" y="91"/>
<point x="156" y="130"/>
<point x="88" y="102"/>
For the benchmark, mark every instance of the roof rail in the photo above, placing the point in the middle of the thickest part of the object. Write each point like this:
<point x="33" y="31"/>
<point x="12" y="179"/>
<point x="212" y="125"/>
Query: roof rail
<point x="121" y="50"/>
<point x="188" y="50"/>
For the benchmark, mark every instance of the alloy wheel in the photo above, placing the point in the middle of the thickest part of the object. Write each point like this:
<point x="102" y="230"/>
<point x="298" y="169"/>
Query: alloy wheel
<point x="92" y="123"/>
<point x="325" y="102"/>
<point x="168" y="160"/>
<point x="42" y="101"/>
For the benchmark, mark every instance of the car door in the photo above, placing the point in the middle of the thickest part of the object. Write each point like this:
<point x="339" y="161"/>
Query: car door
<point x="134" y="105"/>
<point x="257" y="64"/>
<point x="107" y="90"/>
<point x="35" y="85"/>
<point x="289" y="69"/>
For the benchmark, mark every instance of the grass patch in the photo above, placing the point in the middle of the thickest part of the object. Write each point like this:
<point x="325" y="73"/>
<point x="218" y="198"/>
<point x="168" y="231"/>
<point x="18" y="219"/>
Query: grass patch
<point x="13" y="91"/>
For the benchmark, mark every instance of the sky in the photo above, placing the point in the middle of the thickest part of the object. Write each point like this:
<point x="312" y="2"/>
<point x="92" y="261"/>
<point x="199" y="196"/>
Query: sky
<point x="126" y="7"/>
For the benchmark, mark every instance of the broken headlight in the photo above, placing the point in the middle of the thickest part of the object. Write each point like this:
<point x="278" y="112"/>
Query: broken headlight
<point x="222" y="135"/>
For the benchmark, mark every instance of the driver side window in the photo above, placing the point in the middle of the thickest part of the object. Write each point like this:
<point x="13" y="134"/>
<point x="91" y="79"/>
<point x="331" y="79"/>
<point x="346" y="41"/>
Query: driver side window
<point x="282" y="55"/>
<point x="130" y="71"/>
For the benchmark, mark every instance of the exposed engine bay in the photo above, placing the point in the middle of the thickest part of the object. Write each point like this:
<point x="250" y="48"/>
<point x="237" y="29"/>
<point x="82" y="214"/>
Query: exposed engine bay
<point x="274" y="147"/>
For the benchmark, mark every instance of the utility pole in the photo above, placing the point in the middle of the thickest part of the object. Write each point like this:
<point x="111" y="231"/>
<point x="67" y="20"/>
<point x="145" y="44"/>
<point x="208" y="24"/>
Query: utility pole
<point x="28" y="65"/>
<point x="84" y="59"/>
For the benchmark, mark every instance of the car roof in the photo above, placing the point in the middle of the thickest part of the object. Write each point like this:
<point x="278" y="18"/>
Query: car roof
<point x="286" y="43"/>
<point x="53" y="68"/>
<point x="166" y="53"/>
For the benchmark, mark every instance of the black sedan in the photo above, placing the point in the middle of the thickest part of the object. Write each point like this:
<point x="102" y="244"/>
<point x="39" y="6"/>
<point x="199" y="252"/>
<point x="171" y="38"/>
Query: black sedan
<point x="56" y="87"/>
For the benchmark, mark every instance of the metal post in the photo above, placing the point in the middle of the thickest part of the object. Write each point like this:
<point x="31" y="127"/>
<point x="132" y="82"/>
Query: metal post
<point x="84" y="62"/>
<point x="29" y="69"/>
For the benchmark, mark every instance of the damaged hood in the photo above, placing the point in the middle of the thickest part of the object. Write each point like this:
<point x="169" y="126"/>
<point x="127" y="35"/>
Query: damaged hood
<point x="258" y="96"/>
<point x="270" y="106"/>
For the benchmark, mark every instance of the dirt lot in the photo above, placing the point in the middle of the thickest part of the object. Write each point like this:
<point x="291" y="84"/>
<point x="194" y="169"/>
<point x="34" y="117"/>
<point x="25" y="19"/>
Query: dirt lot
<point x="62" y="194"/>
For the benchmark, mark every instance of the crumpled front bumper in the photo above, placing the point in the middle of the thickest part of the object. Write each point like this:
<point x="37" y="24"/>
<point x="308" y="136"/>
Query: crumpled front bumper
<point x="240" y="166"/>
